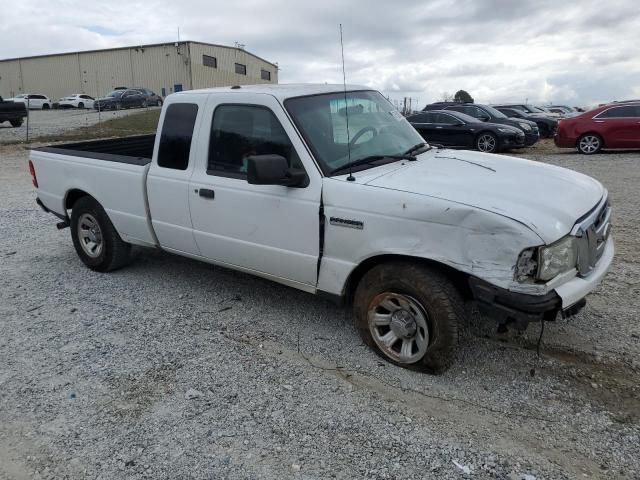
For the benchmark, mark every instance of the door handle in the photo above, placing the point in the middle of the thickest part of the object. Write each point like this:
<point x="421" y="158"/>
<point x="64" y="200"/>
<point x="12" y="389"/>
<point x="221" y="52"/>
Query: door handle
<point x="206" y="193"/>
<point x="438" y="127"/>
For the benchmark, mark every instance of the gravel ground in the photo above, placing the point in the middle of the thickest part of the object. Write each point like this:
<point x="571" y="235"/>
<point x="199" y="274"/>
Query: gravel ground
<point x="171" y="368"/>
<point x="53" y="122"/>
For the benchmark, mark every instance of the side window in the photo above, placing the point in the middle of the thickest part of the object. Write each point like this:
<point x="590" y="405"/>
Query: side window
<point x="473" y="111"/>
<point x="420" y="118"/>
<point x="458" y="108"/>
<point x="446" y="119"/>
<point x="626" y="111"/>
<point x="175" y="139"/>
<point x="239" y="131"/>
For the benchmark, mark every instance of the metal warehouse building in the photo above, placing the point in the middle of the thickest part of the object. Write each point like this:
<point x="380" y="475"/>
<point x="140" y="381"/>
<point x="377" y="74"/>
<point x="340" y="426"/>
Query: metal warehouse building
<point x="164" y="68"/>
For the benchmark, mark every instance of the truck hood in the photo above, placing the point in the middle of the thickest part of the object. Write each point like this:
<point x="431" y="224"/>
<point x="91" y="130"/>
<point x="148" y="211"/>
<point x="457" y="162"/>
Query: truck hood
<point x="547" y="199"/>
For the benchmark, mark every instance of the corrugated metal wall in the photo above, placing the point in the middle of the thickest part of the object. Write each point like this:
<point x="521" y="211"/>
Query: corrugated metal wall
<point x="157" y="67"/>
<point x="224" y="74"/>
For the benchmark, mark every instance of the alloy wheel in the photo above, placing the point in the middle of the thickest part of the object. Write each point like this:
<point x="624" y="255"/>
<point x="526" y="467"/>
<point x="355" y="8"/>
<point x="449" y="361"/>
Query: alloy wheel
<point x="487" y="143"/>
<point x="589" y="144"/>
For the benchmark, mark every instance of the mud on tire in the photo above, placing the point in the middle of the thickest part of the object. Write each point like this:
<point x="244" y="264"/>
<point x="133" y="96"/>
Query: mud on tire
<point x="427" y="293"/>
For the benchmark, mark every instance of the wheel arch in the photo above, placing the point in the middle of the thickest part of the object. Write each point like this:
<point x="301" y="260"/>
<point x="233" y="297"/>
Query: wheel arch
<point x="458" y="278"/>
<point x="73" y="195"/>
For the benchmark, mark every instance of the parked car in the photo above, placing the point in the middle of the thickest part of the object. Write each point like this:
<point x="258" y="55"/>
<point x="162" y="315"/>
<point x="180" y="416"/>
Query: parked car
<point x="119" y="99"/>
<point x="77" y="100"/>
<point x="12" y="112"/>
<point x="151" y="97"/>
<point x="612" y="126"/>
<point x="458" y="130"/>
<point x="33" y="101"/>
<point x="486" y="113"/>
<point x="406" y="232"/>
<point x="546" y="124"/>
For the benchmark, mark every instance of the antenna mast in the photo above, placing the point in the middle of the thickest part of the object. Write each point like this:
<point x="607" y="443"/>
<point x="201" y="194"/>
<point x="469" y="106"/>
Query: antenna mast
<point x="350" y="178"/>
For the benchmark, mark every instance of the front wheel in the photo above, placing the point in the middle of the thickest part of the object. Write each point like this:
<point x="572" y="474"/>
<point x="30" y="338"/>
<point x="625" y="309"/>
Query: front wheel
<point x="409" y="314"/>
<point x="16" y="123"/>
<point x="589" y="144"/>
<point x="80" y="105"/>
<point x="94" y="237"/>
<point x="45" y="106"/>
<point x="487" y="142"/>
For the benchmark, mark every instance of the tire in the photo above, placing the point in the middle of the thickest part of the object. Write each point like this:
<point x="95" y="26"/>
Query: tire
<point x="117" y="106"/>
<point x="589" y="143"/>
<point x="411" y="298"/>
<point x="45" y="106"/>
<point x="144" y="104"/>
<point x="16" y="123"/>
<point x="159" y="104"/>
<point x="487" y="142"/>
<point x="110" y="251"/>
<point x="80" y="105"/>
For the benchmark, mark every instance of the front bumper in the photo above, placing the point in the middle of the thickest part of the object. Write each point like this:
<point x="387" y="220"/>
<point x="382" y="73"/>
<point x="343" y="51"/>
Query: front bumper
<point x="567" y="298"/>
<point x="512" y="140"/>
<point x="530" y="138"/>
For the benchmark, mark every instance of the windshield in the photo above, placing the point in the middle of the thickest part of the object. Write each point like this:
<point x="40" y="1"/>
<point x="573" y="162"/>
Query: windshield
<point x="376" y="128"/>
<point x="494" y="112"/>
<point x="116" y="93"/>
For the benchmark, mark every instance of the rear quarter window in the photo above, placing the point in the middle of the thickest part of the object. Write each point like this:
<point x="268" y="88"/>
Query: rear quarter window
<point x="176" y="135"/>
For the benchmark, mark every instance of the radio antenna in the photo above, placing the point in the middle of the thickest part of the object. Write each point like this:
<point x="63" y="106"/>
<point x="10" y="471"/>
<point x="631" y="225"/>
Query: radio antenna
<point x="350" y="178"/>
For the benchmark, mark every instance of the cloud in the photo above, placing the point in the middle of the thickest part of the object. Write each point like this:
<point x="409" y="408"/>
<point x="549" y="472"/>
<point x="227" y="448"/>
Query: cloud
<point x="577" y="52"/>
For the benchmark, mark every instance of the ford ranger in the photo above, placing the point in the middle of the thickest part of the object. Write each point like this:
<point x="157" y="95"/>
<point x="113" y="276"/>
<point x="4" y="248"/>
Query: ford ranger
<point x="332" y="191"/>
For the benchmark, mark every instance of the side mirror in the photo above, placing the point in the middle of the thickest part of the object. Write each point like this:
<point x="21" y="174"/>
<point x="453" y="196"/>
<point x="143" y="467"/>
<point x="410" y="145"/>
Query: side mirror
<point x="484" y="118"/>
<point x="274" y="170"/>
<point x="458" y="124"/>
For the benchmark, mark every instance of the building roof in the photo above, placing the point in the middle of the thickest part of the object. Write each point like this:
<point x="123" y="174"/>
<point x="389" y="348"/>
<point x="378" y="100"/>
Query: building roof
<point x="148" y="45"/>
<point x="283" y="90"/>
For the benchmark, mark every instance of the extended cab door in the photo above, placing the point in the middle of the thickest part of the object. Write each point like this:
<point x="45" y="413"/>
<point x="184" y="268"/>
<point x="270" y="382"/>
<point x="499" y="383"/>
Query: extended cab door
<point x="272" y="230"/>
<point x="170" y="171"/>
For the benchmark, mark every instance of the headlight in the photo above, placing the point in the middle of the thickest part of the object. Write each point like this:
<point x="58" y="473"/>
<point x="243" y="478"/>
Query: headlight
<point x="524" y="126"/>
<point x="545" y="263"/>
<point x="557" y="258"/>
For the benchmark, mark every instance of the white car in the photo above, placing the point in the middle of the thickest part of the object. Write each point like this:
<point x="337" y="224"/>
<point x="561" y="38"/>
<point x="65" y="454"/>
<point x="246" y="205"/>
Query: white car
<point x="77" y="100"/>
<point x="265" y="179"/>
<point x="33" y="101"/>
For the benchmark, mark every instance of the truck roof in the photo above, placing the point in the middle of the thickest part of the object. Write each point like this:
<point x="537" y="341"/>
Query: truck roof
<point x="281" y="91"/>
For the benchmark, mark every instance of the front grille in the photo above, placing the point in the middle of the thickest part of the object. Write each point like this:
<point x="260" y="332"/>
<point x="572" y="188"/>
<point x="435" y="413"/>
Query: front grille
<point x="592" y="234"/>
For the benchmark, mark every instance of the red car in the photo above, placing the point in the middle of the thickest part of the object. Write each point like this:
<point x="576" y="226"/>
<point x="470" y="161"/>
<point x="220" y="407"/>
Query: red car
<point x="616" y="125"/>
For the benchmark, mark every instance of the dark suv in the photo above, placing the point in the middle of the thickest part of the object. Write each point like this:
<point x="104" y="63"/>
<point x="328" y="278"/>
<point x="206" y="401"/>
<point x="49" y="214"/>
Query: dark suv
<point x="546" y="124"/>
<point x="485" y="113"/>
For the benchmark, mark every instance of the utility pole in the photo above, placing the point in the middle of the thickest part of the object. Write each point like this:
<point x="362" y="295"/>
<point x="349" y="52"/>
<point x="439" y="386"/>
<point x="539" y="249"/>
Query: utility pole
<point x="97" y="96"/>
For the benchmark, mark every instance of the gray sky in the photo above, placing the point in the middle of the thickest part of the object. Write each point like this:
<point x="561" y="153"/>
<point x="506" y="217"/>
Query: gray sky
<point x="577" y="52"/>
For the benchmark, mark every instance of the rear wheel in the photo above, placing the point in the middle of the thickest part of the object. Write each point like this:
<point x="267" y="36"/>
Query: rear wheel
<point x="589" y="143"/>
<point x="144" y="104"/>
<point x="409" y="314"/>
<point x="16" y="122"/>
<point x="95" y="239"/>
<point x="80" y="105"/>
<point x="487" y="142"/>
<point x="45" y="106"/>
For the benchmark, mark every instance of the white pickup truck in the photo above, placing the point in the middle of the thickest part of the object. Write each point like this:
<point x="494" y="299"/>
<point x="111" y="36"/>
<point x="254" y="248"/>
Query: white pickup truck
<point x="334" y="193"/>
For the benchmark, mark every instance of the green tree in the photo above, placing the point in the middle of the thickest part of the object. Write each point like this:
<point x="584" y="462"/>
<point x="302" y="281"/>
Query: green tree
<point x="462" y="96"/>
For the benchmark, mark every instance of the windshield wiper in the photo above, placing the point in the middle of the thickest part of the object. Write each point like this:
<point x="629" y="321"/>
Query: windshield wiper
<point x="371" y="159"/>
<point x="418" y="149"/>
